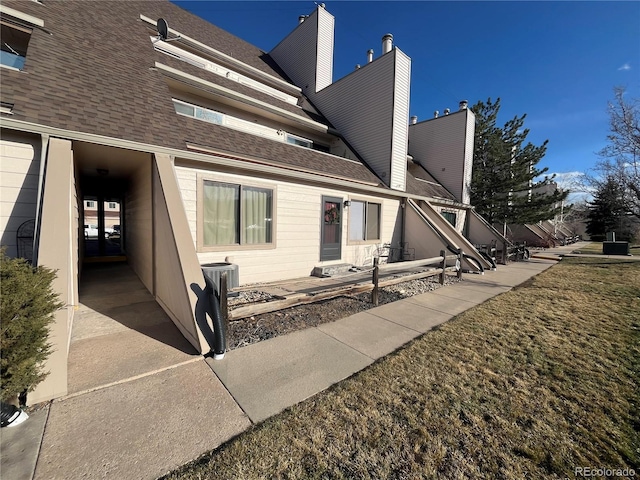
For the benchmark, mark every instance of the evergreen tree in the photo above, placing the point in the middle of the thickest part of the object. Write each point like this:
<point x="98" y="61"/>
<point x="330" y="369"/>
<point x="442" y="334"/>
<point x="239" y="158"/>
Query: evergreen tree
<point x="27" y="306"/>
<point x="607" y="212"/>
<point x="503" y="187"/>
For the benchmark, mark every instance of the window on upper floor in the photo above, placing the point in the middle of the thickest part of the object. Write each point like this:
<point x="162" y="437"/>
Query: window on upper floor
<point x="236" y="215"/>
<point x="90" y="204"/>
<point x="450" y="217"/>
<point x="364" y="221"/>
<point x="15" y="41"/>
<point x="301" y="141"/>
<point x="219" y="118"/>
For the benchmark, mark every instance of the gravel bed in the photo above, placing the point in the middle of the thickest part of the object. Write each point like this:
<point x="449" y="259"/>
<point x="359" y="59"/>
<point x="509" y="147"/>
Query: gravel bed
<point x="262" y="327"/>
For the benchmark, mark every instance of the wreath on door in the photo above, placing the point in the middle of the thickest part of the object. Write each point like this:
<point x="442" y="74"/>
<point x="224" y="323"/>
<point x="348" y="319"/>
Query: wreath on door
<point x="332" y="216"/>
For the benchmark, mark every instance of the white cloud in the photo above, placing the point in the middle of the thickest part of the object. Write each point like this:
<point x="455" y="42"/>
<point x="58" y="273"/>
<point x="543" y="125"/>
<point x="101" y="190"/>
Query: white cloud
<point x="625" y="67"/>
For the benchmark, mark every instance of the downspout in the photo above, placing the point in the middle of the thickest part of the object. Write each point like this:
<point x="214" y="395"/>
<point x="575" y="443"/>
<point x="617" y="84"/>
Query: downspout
<point x="403" y="220"/>
<point x="43" y="161"/>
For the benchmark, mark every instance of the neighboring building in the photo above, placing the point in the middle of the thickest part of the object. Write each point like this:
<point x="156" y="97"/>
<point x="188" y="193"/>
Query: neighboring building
<point x="548" y="233"/>
<point x="214" y="149"/>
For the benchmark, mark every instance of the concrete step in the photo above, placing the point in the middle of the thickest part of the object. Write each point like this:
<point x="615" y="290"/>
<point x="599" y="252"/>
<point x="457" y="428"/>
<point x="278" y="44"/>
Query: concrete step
<point x="331" y="270"/>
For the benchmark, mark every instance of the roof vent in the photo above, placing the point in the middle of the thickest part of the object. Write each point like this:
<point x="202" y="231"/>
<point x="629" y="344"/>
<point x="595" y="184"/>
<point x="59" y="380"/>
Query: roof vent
<point x="301" y="19"/>
<point x="463" y="104"/>
<point x="435" y="114"/>
<point x="370" y="55"/>
<point x="357" y="66"/>
<point x="447" y="111"/>
<point x="414" y="119"/>
<point x="387" y="43"/>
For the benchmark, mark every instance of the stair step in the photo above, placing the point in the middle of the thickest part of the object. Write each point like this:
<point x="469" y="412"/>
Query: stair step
<point x="331" y="270"/>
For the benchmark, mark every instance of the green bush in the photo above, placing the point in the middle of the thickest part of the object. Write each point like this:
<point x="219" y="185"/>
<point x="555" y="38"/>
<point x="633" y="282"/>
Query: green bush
<point x="27" y="307"/>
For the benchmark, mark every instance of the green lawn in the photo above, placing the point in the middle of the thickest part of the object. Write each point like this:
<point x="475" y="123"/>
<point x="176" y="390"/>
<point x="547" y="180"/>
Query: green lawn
<point x="531" y="384"/>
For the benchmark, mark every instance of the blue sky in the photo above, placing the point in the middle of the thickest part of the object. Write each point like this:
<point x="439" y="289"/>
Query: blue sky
<point x="555" y="61"/>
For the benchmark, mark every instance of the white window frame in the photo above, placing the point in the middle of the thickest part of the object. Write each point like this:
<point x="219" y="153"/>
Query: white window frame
<point x="299" y="141"/>
<point x="366" y="240"/>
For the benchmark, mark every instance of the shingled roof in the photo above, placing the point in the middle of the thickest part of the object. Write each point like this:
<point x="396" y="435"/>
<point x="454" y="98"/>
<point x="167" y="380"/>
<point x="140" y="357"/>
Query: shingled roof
<point x="420" y="182"/>
<point x="91" y="70"/>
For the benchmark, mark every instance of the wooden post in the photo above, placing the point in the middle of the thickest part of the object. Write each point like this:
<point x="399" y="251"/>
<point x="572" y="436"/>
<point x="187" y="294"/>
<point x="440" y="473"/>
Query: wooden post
<point x="374" y="292"/>
<point x="443" y="254"/>
<point x="224" y="308"/>
<point x="460" y="257"/>
<point x="504" y="253"/>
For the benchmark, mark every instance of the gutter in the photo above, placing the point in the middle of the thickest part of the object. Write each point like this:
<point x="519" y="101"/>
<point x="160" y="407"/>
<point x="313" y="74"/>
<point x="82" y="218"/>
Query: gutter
<point x="227" y="161"/>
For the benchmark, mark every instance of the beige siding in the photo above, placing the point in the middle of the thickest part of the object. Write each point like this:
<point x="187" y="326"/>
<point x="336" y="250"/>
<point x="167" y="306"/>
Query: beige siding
<point x="19" y="174"/>
<point x="455" y="238"/>
<point x="179" y="282"/>
<point x="296" y="54"/>
<point x="481" y="233"/>
<point x="58" y="250"/>
<point x="138" y="225"/>
<point x="360" y="106"/>
<point x="461" y="215"/>
<point x="400" y="133"/>
<point x="324" y="65"/>
<point x="441" y="146"/>
<point x="468" y="155"/>
<point x="297" y="243"/>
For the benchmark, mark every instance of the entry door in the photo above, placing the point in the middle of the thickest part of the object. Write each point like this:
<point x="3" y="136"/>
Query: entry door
<point x="331" y="240"/>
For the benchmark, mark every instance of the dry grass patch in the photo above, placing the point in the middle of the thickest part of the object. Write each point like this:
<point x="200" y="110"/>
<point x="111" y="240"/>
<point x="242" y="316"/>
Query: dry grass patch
<point x="594" y="248"/>
<point x="530" y="384"/>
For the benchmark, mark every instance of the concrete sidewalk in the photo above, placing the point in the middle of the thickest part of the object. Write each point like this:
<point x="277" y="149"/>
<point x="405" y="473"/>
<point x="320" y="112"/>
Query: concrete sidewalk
<point x="147" y="425"/>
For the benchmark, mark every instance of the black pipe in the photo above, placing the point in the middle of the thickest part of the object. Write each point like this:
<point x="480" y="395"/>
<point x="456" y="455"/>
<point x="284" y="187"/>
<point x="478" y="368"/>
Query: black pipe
<point x="215" y="312"/>
<point x="471" y="259"/>
<point x="489" y="259"/>
<point x="445" y="241"/>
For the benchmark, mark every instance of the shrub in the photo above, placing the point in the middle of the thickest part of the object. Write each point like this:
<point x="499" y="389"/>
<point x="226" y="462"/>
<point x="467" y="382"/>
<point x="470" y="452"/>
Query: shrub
<point x="27" y="307"/>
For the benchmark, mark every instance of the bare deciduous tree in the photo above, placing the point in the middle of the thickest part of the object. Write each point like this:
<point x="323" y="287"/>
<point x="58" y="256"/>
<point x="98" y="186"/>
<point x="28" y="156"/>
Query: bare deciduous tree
<point x="620" y="160"/>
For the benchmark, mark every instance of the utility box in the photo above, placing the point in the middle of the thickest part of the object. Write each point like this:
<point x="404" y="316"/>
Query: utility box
<point x="213" y="271"/>
<point x="615" y="248"/>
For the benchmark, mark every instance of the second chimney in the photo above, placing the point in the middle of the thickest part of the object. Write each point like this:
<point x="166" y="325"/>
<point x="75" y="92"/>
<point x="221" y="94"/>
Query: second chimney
<point x="387" y="43"/>
<point x="463" y="104"/>
<point x="370" y="55"/>
<point x="414" y="119"/>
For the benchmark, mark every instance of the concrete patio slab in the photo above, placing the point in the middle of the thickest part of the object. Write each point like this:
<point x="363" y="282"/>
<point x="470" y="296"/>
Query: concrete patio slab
<point x="140" y="429"/>
<point x="267" y="377"/>
<point x="369" y="334"/>
<point x="410" y="315"/>
<point x="109" y="358"/>
<point x="21" y="445"/>
<point x="89" y="323"/>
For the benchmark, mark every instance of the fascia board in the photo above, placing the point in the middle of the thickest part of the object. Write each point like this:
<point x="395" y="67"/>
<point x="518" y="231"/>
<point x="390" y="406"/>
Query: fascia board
<point x="233" y="61"/>
<point x="242" y="98"/>
<point x="21" y="16"/>
<point x="55" y="132"/>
